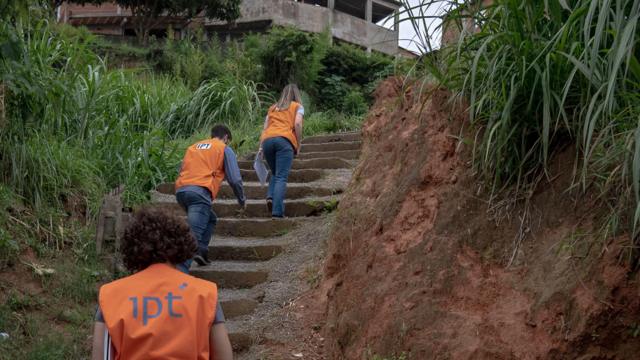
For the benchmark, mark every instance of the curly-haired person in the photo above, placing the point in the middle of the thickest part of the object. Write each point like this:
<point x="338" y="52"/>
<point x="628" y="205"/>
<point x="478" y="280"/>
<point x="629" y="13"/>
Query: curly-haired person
<point x="159" y="312"/>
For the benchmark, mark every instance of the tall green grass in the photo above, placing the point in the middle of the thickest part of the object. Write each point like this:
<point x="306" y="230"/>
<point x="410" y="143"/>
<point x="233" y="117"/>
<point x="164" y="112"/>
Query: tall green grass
<point x="325" y="122"/>
<point x="540" y="76"/>
<point x="78" y="127"/>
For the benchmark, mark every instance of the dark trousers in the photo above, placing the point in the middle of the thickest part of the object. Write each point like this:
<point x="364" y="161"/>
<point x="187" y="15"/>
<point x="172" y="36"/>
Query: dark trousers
<point x="202" y="221"/>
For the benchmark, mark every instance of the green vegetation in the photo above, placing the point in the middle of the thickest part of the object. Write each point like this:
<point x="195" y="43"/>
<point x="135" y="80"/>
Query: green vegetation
<point x="349" y="76"/>
<point x="47" y="296"/>
<point x="312" y="275"/>
<point x="291" y="55"/>
<point x="101" y="127"/>
<point x="83" y="115"/>
<point x="330" y="121"/>
<point x="324" y="206"/>
<point x="542" y="76"/>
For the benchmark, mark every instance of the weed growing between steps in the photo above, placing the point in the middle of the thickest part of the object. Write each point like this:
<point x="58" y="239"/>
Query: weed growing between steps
<point x="323" y="207"/>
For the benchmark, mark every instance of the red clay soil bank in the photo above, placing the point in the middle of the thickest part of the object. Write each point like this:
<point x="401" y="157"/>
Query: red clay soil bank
<point x="417" y="259"/>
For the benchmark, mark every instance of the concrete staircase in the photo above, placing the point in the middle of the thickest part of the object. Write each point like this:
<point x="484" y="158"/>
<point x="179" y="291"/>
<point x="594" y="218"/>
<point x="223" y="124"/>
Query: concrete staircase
<point x="244" y="244"/>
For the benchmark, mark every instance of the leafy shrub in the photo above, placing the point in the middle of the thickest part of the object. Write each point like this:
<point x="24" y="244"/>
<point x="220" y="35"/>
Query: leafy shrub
<point x="332" y="90"/>
<point x="190" y="60"/>
<point x="355" y="65"/>
<point x="242" y="59"/>
<point x="355" y="103"/>
<point x="335" y="93"/>
<point x="291" y="55"/>
<point x="347" y="71"/>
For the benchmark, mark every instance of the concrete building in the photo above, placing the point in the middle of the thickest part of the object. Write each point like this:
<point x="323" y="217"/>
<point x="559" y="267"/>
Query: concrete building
<point x="111" y="20"/>
<point x="352" y="21"/>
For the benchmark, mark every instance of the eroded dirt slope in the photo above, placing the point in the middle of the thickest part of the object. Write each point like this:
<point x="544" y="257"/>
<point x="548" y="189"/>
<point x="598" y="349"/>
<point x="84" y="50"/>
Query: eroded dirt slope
<point x="417" y="261"/>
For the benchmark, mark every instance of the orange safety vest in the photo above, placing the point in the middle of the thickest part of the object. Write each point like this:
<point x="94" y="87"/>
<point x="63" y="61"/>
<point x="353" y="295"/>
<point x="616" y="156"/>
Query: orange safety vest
<point x="203" y="165"/>
<point x="159" y="313"/>
<point x="282" y="123"/>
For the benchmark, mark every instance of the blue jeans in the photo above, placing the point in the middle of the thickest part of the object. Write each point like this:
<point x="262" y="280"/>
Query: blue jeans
<point x="278" y="152"/>
<point x="202" y="221"/>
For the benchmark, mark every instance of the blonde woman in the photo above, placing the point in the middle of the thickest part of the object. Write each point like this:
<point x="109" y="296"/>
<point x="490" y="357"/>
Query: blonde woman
<point x="280" y="142"/>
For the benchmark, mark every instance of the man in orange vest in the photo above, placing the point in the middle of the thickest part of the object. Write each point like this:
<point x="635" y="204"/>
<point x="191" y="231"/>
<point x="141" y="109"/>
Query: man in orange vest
<point x="205" y="164"/>
<point x="159" y="312"/>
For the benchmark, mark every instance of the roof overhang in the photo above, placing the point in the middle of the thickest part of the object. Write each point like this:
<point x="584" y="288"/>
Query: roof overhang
<point x="86" y="20"/>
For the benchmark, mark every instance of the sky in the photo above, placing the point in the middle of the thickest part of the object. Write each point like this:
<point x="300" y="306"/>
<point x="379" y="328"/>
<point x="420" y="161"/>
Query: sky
<point x="416" y="35"/>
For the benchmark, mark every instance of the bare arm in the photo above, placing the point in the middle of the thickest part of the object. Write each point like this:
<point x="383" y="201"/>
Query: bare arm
<point x="97" y="352"/>
<point x="219" y="342"/>
<point x="298" y="130"/>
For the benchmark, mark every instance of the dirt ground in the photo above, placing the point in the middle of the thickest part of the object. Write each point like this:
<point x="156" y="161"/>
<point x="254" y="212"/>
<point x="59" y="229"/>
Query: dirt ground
<point x="421" y="264"/>
<point x="281" y="326"/>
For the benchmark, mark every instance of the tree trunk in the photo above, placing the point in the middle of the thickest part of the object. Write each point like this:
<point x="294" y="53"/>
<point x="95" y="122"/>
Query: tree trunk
<point x="140" y="32"/>
<point x="141" y="20"/>
<point x="144" y="25"/>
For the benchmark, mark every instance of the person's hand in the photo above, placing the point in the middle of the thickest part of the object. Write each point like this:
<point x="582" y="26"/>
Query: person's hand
<point x="260" y="154"/>
<point x="297" y="151"/>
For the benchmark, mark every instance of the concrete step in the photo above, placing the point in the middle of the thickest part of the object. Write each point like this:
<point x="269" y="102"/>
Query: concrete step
<point x="239" y="302"/>
<point x="253" y="227"/>
<point x="344" y="137"/>
<point x="253" y="190"/>
<point x="342" y="154"/>
<point x="293" y="208"/>
<point x="255" y="208"/>
<point x="332" y="146"/>
<point x="295" y="176"/>
<point x="239" y="336"/>
<point x="232" y="274"/>
<point x="318" y="163"/>
<point x="243" y="249"/>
